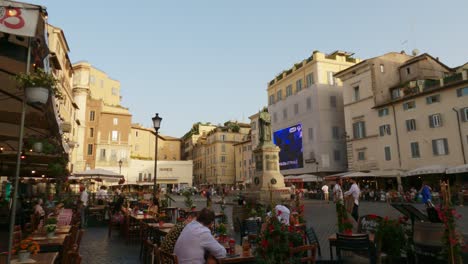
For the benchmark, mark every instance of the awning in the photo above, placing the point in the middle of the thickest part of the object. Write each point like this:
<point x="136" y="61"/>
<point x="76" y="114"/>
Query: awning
<point x="303" y="178"/>
<point x="433" y="169"/>
<point x="97" y="174"/>
<point x="358" y="174"/>
<point x="387" y="173"/>
<point x="458" y="169"/>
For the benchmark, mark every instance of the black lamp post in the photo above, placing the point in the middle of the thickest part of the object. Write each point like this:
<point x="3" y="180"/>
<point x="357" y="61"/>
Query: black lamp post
<point x="120" y="167"/>
<point x="157" y="125"/>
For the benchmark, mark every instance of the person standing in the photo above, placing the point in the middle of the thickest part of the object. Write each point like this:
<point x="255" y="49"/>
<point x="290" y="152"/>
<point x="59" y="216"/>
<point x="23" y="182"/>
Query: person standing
<point x="325" y="193"/>
<point x="338" y="192"/>
<point x="196" y="240"/>
<point x="426" y="195"/>
<point x="354" y="193"/>
<point x="83" y="205"/>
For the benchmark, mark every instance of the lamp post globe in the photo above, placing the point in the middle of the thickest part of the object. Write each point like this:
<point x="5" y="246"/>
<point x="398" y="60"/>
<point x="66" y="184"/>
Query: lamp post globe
<point x="156" y="124"/>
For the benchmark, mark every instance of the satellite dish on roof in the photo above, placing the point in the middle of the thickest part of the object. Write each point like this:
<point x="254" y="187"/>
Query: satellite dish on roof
<point x="415" y="52"/>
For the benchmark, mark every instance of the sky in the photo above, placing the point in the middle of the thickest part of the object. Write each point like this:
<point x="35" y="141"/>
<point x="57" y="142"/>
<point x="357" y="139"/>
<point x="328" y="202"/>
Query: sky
<point x="211" y="60"/>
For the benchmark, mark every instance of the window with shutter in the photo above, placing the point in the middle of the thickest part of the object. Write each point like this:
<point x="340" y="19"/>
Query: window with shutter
<point x="388" y="155"/>
<point x="415" y="150"/>
<point x="411" y="125"/>
<point x="464" y="114"/>
<point x="440" y="147"/>
<point x="435" y="120"/>
<point x="462" y="91"/>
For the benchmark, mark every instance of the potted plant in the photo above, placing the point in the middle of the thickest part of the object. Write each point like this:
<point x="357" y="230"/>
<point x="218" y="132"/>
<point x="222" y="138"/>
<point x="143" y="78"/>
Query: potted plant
<point x="275" y="241"/>
<point x="37" y="86"/>
<point x="391" y="239"/>
<point x="51" y="225"/>
<point x="25" y="248"/>
<point x="221" y="229"/>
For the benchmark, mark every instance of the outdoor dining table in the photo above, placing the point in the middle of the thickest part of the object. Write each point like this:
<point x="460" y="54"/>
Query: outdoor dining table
<point x="39" y="258"/>
<point x="59" y="230"/>
<point x="239" y="256"/>
<point x="142" y="217"/>
<point x="332" y="242"/>
<point x="47" y="243"/>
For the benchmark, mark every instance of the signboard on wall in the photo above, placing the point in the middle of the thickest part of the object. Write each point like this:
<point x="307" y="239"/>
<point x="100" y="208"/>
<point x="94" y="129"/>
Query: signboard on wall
<point x="289" y="140"/>
<point x="18" y="18"/>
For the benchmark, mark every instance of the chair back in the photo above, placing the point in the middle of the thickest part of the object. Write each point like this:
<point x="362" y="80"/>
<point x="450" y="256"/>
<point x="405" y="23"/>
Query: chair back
<point x="79" y="237"/>
<point x="312" y="239"/>
<point x="250" y="227"/>
<point x="167" y="258"/>
<point x="368" y="223"/>
<point x="355" y="242"/>
<point x="358" y="243"/>
<point x="73" y="257"/>
<point x="3" y="257"/>
<point x="67" y="245"/>
<point x="307" y="253"/>
<point x="148" y="252"/>
<point x="74" y="233"/>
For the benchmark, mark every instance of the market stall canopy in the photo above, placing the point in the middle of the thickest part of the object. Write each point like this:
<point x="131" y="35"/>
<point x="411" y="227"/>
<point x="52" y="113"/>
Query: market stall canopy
<point x="433" y="169"/>
<point x="458" y="169"/>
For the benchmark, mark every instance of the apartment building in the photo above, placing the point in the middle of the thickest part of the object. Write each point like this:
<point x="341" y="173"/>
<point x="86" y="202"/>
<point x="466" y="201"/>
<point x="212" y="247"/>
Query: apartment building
<point x="244" y="161"/>
<point x="63" y="71"/>
<point x="305" y="103"/>
<point x="191" y="137"/>
<point x="405" y="114"/>
<point x="142" y="144"/>
<point x="214" y="156"/>
<point x="103" y="129"/>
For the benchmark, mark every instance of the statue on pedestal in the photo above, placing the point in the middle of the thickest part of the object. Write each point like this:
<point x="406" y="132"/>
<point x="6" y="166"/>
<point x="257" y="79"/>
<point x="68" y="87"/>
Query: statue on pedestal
<point x="264" y="125"/>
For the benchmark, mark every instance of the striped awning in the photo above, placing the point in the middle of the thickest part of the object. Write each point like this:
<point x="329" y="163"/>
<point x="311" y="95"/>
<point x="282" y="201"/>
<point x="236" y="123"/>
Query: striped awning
<point x="458" y="169"/>
<point x="433" y="169"/>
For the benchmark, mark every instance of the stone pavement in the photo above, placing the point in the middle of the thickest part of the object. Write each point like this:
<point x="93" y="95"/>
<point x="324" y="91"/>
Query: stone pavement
<point x="97" y="248"/>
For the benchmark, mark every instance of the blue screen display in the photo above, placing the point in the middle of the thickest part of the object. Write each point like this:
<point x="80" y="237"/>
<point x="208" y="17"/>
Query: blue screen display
<point x="289" y="140"/>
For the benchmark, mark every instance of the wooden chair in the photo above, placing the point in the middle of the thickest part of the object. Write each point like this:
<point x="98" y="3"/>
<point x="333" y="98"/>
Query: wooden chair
<point x="248" y="227"/>
<point x="132" y="229"/>
<point x="144" y="235"/>
<point x="147" y="253"/>
<point x="356" y="243"/>
<point x="306" y="252"/>
<point x="73" y="257"/>
<point x="3" y="257"/>
<point x="67" y="246"/>
<point x="74" y="233"/>
<point x="312" y="239"/>
<point x="167" y="258"/>
<point x="78" y="239"/>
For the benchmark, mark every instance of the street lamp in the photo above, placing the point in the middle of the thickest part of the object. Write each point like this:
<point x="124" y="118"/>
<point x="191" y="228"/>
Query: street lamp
<point x="157" y="125"/>
<point x="120" y="167"/>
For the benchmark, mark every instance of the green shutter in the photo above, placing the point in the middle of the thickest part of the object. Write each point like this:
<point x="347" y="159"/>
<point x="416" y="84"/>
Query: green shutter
<point x="446" y="146"/>
<point x="431" y="121"/>
<point x="434" y="147"/>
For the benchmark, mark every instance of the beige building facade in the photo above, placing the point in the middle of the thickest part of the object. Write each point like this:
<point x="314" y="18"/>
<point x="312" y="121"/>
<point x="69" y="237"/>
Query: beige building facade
<point x="214" y="156"/>
<point x="244" y="162"/>
<point x="142" y="141"/>
<point x="191" y="138"/>
<point x="405" y="113"/>
<point x="308" y="97"/>
<point x="103" y="131"/>
<point x="63" y="71"/>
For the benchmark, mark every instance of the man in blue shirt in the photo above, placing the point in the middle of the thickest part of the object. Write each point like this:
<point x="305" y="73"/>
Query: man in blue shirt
<point x="426" y="195"/>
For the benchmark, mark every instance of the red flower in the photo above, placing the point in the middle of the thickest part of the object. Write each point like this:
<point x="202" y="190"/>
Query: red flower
<point x="291" y="245"/>
<point x="372" y="216"/>
<point x="271" y="227"/>
<point x="279" y="213"/>
<point x="264" y="243"/>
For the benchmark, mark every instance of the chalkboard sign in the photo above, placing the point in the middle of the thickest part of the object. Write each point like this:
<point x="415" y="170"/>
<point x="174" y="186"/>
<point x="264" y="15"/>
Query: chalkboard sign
<point x="368" y="223"/>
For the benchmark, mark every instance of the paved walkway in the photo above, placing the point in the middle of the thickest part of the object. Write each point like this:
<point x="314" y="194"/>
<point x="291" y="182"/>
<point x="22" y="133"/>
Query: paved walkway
<point x="97" y="248"/>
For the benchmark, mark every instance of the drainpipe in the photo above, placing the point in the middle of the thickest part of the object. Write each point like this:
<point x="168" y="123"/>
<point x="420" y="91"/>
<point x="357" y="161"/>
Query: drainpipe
<point x="397" y="138"/>
<point x="398" y="147"/>
<point x="460" y="134"/>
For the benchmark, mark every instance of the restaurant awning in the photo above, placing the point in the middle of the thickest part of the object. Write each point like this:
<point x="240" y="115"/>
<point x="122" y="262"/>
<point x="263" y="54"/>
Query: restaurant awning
<point x="433" y="169"/>
<point x="358" y="174"/>
<point x="334" y="177"/>
<point x="458" y="169"/>
<point x="97" y="174"/>
<point x="387" y="173"/>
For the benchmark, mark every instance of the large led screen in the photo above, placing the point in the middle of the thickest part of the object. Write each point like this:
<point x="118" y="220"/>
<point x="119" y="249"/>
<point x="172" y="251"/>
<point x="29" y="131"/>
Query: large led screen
<point x="289" y="140"/>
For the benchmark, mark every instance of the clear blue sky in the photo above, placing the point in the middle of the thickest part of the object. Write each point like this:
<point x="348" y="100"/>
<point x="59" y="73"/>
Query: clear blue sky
<point x="210" y="60"/>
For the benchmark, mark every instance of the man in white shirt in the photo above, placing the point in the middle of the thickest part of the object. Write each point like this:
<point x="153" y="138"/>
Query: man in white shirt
<point x="196" y="240"/>
<point x="101" y="195"/>
<point x="84" y="204"/>
<point x="325" y="192"/>
<point x="354" y="191"/>
<point x="338" y="192"/>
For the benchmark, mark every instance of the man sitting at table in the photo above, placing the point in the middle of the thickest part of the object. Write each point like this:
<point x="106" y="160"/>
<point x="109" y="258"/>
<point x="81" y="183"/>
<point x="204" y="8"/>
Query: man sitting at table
<point x="170" y="239"/>
<point x="196" y="240"/>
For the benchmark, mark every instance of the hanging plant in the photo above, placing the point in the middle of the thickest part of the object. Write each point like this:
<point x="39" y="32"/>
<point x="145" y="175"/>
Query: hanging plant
<point x="37" y="85"/>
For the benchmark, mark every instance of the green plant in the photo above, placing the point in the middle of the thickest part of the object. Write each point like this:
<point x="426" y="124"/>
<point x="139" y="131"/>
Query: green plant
<point x="50" y="228"/>
<point x="342" y="217"/>
<point x="452" y="239"/>
<point x="391" y="238"/>
<point x="221" y="229"/>
<point x="39" y="78"/>
<point x="56" y="169"/>
<point x="275" y="241"/>
<point x="188" y="198"/>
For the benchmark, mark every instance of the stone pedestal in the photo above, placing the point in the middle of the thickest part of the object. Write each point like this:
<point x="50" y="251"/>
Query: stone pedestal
<point x="268" y="185"/>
